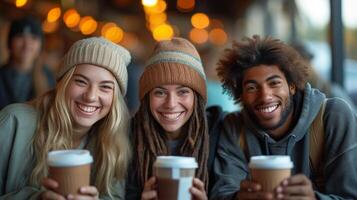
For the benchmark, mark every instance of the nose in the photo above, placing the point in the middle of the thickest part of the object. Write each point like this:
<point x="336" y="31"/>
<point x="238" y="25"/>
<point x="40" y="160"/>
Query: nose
<point x="90" y="94"/>
<point x="171" y="101"/>
<point x="266" y="93"/>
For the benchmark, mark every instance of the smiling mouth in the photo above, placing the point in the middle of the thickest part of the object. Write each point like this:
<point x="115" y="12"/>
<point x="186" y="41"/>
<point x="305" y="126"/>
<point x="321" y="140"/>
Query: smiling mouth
<point x="268" y="109"/>
<point x="87" y="109"/>
<point x="171" y="116"/>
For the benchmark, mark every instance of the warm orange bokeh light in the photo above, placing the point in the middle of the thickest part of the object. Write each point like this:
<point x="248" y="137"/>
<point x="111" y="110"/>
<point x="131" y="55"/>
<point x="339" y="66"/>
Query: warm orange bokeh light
<point x="20" y="3"/>
<point x="106" y="27"/>
<point x="71" y="18"/>
<point x="113" y="33"/>
<point x="200" y="20"/>
<point x="149" y="3"/>
<point x="185" y="5"/>
<point x="218" y="36"/>
<point x="49" y="27"/>
<point x="198" y="36"/>
<point x="157" y="19"/>
<point x="87" y="25"/>
<point x="163" y="32"/>
<point x="160" y="7"/>
<point x="54" y="14"/>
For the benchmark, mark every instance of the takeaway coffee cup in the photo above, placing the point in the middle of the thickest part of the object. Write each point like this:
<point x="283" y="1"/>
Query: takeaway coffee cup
<point x="269" y="171"/>
<point x="175" y="175"/>
<point x="71" y="169"/>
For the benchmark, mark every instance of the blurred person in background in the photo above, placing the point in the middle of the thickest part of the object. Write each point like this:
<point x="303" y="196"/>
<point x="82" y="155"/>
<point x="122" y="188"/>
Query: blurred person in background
<point x="24" y="76"/>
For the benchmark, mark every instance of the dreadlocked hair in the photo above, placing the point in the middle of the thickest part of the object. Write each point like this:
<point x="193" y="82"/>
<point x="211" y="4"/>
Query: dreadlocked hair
<point x="150" y="140"/>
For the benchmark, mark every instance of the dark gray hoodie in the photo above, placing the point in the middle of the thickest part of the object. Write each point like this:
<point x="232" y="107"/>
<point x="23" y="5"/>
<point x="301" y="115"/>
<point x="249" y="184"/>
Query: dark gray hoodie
<point x="340" y="161"/>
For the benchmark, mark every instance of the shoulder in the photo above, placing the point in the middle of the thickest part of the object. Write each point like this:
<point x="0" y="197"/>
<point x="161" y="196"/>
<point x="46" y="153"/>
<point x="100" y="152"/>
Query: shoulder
<point x="20" y="111"/>
<point x="338" y="107"/>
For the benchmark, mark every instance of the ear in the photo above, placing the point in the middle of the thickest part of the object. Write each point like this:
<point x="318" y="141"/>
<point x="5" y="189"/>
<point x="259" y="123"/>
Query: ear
<point x="292" y="89"/>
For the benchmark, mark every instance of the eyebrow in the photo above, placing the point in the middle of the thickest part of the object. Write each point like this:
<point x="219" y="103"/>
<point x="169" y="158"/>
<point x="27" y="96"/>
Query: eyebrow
<point x="180" y="87"/>
<point x="101" y="82"/>
<point x="268" y="79"/>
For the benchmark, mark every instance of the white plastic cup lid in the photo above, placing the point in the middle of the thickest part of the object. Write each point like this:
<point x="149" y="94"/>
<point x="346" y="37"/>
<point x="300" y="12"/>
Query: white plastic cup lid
<point x="68" y="158"/>
<point x="270" y="162"/>
<point x="176" y="162"/>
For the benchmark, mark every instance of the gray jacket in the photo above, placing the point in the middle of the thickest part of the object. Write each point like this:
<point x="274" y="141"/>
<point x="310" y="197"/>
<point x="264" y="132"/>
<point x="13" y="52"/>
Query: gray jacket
<point x="17" y="127"/>
<point x="340" y="161"/>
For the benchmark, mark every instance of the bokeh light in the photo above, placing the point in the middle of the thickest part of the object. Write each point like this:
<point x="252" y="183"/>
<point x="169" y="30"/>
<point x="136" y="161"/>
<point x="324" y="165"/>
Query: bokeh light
<point x="218" y="36"/>
<point x="200" y="20"/>
<point x="163" y="32"/>
<point x="54" y="14"/>
<point x="20" y="3"/>
<point x="198" y="36"/>
<point x="185" y="5"/>
<point x="149" y="3"/>
<point x="88" y="25"/>
<point x="71" y="18"/>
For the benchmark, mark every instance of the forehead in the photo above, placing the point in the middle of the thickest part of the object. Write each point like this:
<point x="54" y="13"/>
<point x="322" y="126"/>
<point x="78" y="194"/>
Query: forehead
<point x="93" y="71"/>
<point x="262" y="73"/>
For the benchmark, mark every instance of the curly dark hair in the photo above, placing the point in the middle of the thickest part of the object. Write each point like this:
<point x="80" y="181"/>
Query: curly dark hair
<point x="251" y="52"/>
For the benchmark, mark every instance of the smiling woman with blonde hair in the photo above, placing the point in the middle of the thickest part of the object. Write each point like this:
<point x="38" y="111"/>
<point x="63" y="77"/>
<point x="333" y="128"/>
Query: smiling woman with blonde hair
<point x="86" y="110"/>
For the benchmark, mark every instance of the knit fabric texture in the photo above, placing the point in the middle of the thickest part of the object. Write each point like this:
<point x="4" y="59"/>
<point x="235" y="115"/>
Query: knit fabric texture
<point x="100" y="52"/>
<point x="174" y="61"/>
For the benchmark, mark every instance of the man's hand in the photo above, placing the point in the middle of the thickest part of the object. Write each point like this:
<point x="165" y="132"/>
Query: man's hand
<point x="252" y="190"/>
<point x="295" y="187"/>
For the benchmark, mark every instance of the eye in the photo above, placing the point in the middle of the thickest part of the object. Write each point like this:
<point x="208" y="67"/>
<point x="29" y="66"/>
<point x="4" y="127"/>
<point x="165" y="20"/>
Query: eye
<point x="159" y="93"/>
<point x="275" y="83"/>
<point x="80" y="82"/>
<point x="107" y="87"/>
<point x="250" y="88"/>
<point x="183" y="92"/>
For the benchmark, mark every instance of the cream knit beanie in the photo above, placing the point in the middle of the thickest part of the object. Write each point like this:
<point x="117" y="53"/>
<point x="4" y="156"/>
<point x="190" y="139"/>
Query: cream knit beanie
<point x="101" y="52"/>
<point x="174" y="61"/>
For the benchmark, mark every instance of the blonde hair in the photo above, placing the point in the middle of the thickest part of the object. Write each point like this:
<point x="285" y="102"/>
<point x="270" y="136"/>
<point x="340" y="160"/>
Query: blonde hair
<point x="55" y="128"/>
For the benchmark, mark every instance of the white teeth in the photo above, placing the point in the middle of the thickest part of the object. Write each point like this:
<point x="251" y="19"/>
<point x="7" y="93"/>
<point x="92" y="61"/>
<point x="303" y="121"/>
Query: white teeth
<point x="268" y="109"/>
<point x="87" y="108"/>
<point x="171" y="116"/>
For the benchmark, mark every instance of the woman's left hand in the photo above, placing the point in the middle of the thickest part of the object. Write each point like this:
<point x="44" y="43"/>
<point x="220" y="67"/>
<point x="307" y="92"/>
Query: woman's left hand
<point x="86" y="193"/>
<point x="198" y="190"/>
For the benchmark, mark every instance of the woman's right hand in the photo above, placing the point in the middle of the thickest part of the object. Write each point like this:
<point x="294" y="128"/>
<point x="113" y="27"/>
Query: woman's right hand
<point x="149" y="192"/>
<point x="49" y="194"/>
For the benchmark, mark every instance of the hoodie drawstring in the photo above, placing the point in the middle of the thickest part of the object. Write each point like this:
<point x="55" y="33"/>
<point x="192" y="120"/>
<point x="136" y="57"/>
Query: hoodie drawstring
<point x="266" y="136"/>
<point x="290" y="144"/>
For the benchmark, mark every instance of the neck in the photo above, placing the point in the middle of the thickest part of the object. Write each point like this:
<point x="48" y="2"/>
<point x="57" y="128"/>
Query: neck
<point x="178" y="134"/>
<point x="282" y="130"/>
<point x="78" y="135"/>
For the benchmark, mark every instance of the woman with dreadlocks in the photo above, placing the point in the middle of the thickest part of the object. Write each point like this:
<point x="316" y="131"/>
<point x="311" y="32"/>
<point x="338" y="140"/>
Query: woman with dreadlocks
<point x="171" y="119"/>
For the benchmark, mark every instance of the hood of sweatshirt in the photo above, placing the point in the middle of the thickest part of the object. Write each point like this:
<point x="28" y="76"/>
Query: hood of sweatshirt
<point x="310" y="106"/>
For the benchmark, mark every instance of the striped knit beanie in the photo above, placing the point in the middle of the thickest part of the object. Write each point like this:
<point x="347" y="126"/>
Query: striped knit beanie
<point x="174" y="61"/>
<point x="101" y="52"/>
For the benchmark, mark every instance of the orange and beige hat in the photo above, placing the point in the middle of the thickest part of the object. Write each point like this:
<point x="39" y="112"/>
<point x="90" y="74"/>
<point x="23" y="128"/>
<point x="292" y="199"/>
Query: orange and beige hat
<point x="174" y="61"/>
